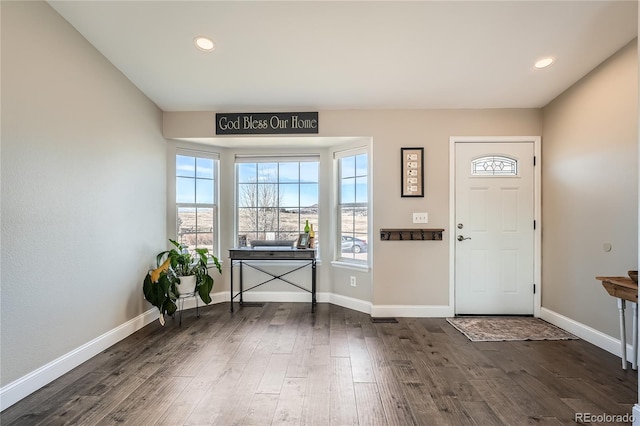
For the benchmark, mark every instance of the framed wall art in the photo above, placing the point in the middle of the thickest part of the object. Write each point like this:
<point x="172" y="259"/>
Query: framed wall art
<point x="412" y="169"/>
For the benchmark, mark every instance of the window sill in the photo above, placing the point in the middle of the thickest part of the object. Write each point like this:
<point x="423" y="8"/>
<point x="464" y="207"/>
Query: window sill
<point x="350" y="265"/>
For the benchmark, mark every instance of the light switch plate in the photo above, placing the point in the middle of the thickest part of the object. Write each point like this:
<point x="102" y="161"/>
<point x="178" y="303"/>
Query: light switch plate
<point x="421" y="217"/>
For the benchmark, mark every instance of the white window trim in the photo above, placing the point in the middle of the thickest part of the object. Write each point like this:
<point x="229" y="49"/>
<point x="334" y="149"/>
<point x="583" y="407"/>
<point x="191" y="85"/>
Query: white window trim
<point x="338" y="259"/>
<point x="172" y="205"/>
<point x="351" y="265"/>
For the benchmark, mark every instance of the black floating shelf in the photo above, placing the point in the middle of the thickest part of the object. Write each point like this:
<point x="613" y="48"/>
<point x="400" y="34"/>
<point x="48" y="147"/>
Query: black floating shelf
<point x="414" y="234"/>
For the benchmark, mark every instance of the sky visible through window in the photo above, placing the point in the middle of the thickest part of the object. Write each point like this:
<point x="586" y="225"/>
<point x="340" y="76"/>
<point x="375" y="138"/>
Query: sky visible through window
<point x="286" y="175"/>
<point x="188" y="168"/>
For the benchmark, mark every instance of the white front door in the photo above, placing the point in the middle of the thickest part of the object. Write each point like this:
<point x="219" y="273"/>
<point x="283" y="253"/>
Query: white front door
<point x="494" y="228"/>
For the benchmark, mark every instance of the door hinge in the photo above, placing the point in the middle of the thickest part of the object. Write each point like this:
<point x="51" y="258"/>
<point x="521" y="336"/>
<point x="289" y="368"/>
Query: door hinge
<point x="534" y="289"/>
<point x="534" y="224"/>
<point x="534" y="160"/>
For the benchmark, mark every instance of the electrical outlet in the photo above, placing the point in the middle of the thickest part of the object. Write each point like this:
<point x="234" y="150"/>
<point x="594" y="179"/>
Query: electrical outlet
<point x="421" y="217"/>
<point x="353" y="281"/>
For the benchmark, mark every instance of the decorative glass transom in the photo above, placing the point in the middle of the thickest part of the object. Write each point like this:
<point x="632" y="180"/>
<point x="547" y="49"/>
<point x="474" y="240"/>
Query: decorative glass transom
<point x="494" y="165"/>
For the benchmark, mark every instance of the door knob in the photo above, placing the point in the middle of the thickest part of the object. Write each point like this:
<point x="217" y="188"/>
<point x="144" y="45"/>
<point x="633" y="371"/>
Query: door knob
<point x="461" y="238"/>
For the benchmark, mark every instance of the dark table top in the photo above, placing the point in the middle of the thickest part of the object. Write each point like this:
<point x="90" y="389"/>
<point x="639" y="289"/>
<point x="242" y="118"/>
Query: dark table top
<point x="271" y="253"/>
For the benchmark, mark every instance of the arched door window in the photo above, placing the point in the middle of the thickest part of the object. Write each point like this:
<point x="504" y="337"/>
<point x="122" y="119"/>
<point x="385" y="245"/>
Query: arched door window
<point x="494" y="165"/>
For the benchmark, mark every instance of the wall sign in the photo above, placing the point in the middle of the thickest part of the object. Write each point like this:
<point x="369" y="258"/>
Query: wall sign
<point x="266" y="123"/>
<point x="412" y="170"/>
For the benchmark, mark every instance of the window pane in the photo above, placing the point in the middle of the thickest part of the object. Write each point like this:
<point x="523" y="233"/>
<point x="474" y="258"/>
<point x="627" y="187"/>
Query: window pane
<point x="309" y="171"/>
<point x="247" y="222"/>
<point x="205" y="240"/>
<point x="347" y="191"/>
<point x="347" y="167"/>
<point x="186" y="225"/>
<point x="247" y="172"/>
<point x="185" y="190"/>
<point x="361" y="220"/>
<point x="185" y="166"/>
<point x="309" y="195"/>
<point x="267" y="172"/>
<point x="347" y="219"/>
<point x="268" y="195"/>
<point x="361" y="189"/>
<point x="204" y="168"/>
<point x="204" y="191"/>
<point x="361" y="165"/>
<point x="289" y="196"/>
<point x="288" y="172"/>
<point x="289" y="223"/>
<point x="247" y="195"/>
<point x="268" y="219"/>
<point x="204" y="218"/>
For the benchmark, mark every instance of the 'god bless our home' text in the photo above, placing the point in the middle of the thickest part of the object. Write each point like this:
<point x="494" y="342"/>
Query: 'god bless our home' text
<point x="257" y="123"/>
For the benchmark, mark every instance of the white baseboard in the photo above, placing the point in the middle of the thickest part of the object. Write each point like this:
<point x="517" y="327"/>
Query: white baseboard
<point x="190" y="302"/>
<point x="26" y="385"/>
<point x="284" y="297"/>
<point x="350" y="303"/>
<point x="591" y="335"/>
<point x="413" y="311"/>
<point x="278" y="296"/>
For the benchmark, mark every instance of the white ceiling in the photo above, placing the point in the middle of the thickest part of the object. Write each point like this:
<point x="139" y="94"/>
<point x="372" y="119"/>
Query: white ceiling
<point x="315" y="55"/>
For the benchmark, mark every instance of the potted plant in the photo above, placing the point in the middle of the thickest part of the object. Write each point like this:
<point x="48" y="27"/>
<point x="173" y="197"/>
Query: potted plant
<point x="176" y="267"/>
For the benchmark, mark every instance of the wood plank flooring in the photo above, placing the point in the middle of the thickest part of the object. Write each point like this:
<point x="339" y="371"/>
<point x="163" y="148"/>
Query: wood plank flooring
<point x="282" y="365"/>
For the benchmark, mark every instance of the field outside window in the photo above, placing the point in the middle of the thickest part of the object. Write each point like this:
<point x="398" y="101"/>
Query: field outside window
<point x="354" y="208"/>
<point x="196" y="202"/>
<point x="275" y="199"/>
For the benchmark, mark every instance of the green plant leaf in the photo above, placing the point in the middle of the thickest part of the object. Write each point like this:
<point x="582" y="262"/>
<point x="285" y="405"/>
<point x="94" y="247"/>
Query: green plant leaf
<point x="204" y="289"/>
<point x="169" y="307"/>
<point x="217" y="263"/>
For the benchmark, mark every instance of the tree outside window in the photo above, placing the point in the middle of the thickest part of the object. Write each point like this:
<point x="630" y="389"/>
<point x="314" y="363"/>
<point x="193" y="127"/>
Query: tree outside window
<point x="275" y="199"/>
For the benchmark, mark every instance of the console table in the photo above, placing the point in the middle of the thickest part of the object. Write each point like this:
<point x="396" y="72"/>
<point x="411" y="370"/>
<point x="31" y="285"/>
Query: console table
<point x="245" y="256"/>
<point x="624" y="289"/>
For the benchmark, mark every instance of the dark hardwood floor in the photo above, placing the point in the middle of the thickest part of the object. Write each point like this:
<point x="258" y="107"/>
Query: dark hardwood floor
<point x="281" y="364"/>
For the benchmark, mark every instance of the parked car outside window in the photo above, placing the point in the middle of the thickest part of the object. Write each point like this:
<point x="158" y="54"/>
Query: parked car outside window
<point x="353" y="245"/>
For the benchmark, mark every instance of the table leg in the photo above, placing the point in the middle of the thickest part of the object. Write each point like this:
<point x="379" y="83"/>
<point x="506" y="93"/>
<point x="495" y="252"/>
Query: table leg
<point x="231" y="299"/>
<point x="623" y="334"/>
<point x="634" y="361"/>
<point x="313" y="286"/>
<point x="241" y="283"/>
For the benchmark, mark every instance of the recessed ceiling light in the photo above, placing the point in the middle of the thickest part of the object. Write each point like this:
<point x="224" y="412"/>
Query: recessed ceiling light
<point x="204" y="43"/>
<point x="543" y="63"/>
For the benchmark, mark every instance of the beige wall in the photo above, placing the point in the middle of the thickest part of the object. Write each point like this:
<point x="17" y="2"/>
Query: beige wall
<point x="403" y="273"/>
<point x="83" y="191"/>
<point x="83" y="172"/>
<point x="590" y="190"/>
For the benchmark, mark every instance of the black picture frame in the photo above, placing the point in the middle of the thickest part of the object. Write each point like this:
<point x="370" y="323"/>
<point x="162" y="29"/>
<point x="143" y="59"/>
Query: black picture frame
<point x="303" y="241"/>
<point x="412" y="172"/>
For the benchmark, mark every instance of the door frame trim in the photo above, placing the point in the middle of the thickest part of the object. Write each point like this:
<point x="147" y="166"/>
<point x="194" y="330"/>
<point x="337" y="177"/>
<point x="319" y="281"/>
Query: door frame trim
<point x="537" y="213"/>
